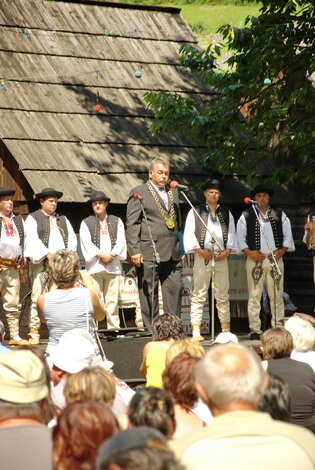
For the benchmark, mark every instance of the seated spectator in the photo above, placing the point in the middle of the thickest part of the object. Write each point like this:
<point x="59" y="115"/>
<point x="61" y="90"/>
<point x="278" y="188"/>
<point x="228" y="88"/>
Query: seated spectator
<point x="25" y="440"/>
<point x="231" y="381"/>
<point x="179" y="380"/>
<point x="153" y="407"/>
<point x="140" y="448"/>
<point x="276" y="400"/>
<point x="71" y="304"/>
<point x="166" y="328"/>
<point x="277" y="346"/>
<point x="303" y="335"/>
<point x="80" y="429"/>
<point x="3" y="349"/>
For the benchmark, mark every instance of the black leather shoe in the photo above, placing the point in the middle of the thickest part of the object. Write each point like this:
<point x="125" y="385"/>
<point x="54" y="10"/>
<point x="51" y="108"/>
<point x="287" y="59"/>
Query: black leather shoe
<point x="254" y="336"/>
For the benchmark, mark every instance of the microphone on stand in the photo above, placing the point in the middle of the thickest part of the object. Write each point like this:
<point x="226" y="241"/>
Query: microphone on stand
<point x="138" y="196"/>
<point x="248" y="200"/>
<point x="176" y="185"/>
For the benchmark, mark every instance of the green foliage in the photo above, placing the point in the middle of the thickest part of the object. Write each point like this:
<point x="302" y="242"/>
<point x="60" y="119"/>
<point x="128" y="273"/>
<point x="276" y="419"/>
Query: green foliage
<point x="262" y="118"/>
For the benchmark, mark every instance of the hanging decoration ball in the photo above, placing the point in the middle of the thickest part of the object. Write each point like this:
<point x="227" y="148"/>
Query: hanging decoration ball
<point x="97" y="107"/>
<point x="267" y="81"/>
<point x="138" y="74"/>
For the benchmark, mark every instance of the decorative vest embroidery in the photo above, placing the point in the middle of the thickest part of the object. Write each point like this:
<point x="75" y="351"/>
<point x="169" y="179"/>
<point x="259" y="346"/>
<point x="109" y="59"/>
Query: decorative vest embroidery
<point x="43" y="226"/>
<point x="253" y="228"/>
<point x="200" y="229"/>
<point x="94" y="227"/>
<point x="18" y="222"/>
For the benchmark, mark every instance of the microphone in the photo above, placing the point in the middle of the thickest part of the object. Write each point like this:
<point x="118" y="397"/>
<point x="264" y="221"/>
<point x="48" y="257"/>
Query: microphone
<point x="176" y="185"/>
<point x="138" y="196"/>
<point x="248" y="200"/>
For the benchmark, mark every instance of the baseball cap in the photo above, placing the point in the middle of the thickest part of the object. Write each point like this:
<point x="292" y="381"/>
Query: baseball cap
<point x="22" y="377"/>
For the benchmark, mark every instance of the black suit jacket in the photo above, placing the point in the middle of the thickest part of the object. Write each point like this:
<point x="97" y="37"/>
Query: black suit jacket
<point x="137" y="234"/>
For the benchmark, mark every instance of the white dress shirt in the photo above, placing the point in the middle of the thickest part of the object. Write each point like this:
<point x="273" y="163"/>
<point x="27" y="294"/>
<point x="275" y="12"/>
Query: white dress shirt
<point x="267" y="242"/>
<point x="10" y="244"/>
<point x="191" y="243"/>
<point x="90" y="251"/>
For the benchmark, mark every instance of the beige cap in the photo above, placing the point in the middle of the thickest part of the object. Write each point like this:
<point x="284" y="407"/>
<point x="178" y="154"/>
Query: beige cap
<point x="22" y="377"/>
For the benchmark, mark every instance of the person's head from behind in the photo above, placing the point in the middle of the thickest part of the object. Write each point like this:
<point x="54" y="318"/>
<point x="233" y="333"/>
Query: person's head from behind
<point x="276" y="343"/>
<point x="139" y="448"/>
<point x="193" y="347"/>
<point x="23" y="389"/>
<point x="276" y="399"/>
<point x="230" y="376"/>
<point x="166" y="327"/>
<point x="81" y="428"/>
<point x="179" y="379"/>
<point x="154" y="407"/>
<point x="93" y="383"/>
<point x="64" y="268"/>
<point x="303" y="333"/>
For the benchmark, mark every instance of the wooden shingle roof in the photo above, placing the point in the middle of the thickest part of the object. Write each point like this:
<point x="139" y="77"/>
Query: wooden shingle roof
<point x="58" y="59"/>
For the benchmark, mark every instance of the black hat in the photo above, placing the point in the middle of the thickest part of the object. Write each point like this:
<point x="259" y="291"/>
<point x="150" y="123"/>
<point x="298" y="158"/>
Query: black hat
<point x="262" y="188"/>
<point x="98" y="196"/>
<point x="49" y="192"/>
<point x="212" y="184"/>
<point x="134" y="438"/>
<point x="6" y="192"/>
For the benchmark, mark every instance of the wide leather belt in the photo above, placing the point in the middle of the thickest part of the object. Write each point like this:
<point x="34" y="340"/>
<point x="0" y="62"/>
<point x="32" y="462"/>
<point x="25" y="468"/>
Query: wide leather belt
<point x="9" y="263"/>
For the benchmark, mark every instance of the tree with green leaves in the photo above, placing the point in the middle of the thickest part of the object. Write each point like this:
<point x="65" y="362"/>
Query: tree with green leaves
<point x="260" y="121"/>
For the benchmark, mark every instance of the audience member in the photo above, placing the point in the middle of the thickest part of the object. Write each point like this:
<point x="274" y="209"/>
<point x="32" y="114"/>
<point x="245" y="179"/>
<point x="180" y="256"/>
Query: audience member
<point x="179" y="380"/>
<point x="303" y="335"/>
<point x="277" y="346"/>
<point x="231" y="381"/>
<point x="153" y="407"/>
<point x="166" y="328"/>
<point x="3" y="349"/>
<point x="25" y="440"/>
<point x="276" y="400"/>
<point x="80" y="429"/>
<point x="140" y="448"/>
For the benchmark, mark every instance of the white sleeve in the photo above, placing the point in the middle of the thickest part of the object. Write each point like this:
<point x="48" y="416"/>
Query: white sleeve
<point x="72" y="238"/>
<point x="241" y="232"/>
<point x="120" y="247"/>
<point x="89" y="250"/>
<point x="287" y="233"/>
<point x="35" y="249"/>
<point x="231" y="241"/>
<point x="190" y="240"/>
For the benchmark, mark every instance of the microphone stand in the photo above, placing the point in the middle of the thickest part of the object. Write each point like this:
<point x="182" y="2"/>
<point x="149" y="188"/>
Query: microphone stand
<point x="275" y="265"/>
<point x="155" y="258"/>
<point x="213" y="242"/>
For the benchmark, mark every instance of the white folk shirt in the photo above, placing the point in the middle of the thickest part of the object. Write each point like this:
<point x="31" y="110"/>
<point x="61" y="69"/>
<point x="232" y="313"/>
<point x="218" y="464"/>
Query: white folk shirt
<point x="191" y="243"/>
<point x="10" y="240"/>
<point x="90" y="250"/>
<point x="35" y="248"/>
<point x="267" y="241"/>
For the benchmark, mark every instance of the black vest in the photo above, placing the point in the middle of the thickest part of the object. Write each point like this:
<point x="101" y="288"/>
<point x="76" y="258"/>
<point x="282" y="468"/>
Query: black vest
<point x="94" y="226"/>
<point x="253" y="228"/>
<point x="43" y="226"/>
<point x="200" y="229"/>
<point x="18" y="222"/>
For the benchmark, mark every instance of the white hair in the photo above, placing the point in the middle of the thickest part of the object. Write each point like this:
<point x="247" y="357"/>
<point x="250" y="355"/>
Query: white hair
<point x="231" y="373"/>
<point x="302" y="332"/>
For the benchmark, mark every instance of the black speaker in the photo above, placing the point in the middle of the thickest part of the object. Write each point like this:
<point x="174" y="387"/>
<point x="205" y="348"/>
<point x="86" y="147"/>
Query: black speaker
<point x="126" y="354"/>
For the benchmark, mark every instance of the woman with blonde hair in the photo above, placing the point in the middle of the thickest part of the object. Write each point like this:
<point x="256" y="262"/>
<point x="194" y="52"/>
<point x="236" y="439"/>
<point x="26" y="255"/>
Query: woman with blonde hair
<point x="190" y="345"/>
<point x="72" y="304"/>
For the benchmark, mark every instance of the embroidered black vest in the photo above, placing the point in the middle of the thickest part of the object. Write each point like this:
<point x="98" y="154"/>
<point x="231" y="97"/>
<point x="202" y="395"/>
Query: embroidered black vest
<point x="18" y="221"/>
<point x="43" y="226"/>
<point x="94" y="226"/>
<point x="200" y="229"/>
<point x="253" y="228"/>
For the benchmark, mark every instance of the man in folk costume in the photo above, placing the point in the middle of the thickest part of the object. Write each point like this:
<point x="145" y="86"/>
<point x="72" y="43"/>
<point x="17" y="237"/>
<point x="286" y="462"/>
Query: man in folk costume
<point x="11" y="261"/>
<point x="103" y="245"/>
<point x="161" y="207"/>
<point x="197" y="239"/>
<point x="47" y="231"/>
<point x="258" y="239"/>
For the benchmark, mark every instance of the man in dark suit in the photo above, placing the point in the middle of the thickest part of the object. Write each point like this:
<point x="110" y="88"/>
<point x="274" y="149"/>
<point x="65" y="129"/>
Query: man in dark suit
<point x="162" y="212"/>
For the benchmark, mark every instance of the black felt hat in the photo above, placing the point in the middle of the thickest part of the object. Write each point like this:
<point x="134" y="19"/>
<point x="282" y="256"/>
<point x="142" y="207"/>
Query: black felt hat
<point x="6" y="192"/>
<point x="98" y="196"/>
<point x="212" y="184"/>
<point x="49" y="192"/>
<point x="262" y="188"/>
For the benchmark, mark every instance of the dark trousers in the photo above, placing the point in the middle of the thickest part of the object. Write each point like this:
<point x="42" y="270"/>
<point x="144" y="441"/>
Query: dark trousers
<point x="169" y="275"/>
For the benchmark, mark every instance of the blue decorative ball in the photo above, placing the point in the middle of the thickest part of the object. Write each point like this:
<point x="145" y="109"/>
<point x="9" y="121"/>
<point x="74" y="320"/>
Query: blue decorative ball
<point x="138" y="74"/>
<point x="267" y="81"/>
